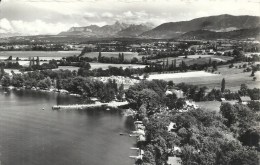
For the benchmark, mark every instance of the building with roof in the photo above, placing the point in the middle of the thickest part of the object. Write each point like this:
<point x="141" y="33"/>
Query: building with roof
<point x="244" y="99"/>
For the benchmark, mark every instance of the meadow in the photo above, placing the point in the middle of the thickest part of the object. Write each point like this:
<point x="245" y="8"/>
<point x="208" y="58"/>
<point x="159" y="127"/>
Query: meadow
<point x="106" y="66"/>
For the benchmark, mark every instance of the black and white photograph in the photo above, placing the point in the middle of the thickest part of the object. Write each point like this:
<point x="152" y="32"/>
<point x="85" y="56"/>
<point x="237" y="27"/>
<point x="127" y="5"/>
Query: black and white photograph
<point x="129" y="82"/>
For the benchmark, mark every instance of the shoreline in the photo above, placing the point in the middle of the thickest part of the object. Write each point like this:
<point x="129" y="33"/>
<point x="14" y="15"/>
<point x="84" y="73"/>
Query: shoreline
<point x="97" y="103"/>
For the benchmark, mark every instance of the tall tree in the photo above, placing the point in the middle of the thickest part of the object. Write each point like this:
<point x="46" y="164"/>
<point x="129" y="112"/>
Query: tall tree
<point x="223" y="85"/>
<point x="123" y="57"/>
<point x="167" y="63"/>
<point x="37" y="61"/>
<point x="99" y="56"/>
<point x="120" y="57"/>
<point x="175" y="64"/>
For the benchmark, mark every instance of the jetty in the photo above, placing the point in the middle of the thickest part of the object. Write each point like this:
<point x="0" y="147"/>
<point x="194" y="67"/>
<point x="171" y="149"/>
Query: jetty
<point x="112" y="104"/>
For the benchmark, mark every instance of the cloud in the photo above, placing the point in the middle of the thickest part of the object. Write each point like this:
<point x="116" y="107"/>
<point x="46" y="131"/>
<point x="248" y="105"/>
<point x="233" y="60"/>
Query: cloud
<point x="49" y="16"/>
<point x="32" y="28"/>
<point x="107" y="15"/>
<point x="89" y="15"/>
<point x="5" y="26"/>
<point x="128" y="14"/>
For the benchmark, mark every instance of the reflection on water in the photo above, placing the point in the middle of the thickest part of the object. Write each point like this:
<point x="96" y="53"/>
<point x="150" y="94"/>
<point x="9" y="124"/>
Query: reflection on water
<point x="32" y="136"/>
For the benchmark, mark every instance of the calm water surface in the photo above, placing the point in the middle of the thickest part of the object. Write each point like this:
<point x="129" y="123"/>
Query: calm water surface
<point x="32" y="136"/>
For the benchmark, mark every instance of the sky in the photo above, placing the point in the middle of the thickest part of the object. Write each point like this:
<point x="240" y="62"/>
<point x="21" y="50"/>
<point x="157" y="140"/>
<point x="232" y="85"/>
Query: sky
<point x="33" y="17"/>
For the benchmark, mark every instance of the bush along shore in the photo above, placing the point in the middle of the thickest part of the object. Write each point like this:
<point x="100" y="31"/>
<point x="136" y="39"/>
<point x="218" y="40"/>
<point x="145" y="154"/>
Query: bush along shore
<point x="67" y="82"/>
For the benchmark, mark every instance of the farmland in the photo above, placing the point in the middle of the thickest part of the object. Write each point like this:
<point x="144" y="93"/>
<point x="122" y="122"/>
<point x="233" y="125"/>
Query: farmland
<point x="196" y="59"/>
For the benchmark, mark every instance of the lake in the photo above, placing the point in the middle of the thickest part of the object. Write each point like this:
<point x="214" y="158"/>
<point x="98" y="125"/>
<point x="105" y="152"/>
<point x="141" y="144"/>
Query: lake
<point x="32" y="136"/>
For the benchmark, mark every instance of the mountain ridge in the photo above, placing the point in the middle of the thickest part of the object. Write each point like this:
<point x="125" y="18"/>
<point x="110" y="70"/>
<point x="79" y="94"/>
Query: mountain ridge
<point x="211" y="23"/>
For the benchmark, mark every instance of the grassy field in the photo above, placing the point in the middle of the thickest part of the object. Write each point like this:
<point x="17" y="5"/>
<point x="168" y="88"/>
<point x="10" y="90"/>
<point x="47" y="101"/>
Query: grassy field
<point x="43" y="55"/>
<point x="212" y="106"/>
<point x="234" y="78"/>
<point x="127" y="55"/>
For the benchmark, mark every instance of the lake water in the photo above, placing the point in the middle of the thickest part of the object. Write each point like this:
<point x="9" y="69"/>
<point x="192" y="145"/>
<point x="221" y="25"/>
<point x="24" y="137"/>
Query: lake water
<point x="32" y="136"/>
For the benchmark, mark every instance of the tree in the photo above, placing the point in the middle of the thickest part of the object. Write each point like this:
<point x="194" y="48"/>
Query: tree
<point x="58" y="83"/>
<point x="99" y="56"/>
<point x="17" y="80"/>
<point x="33" y="61"/>
<point x="215" y="65"/>
<point x="167" y="63"/>
<point x="10" y="58"/>
<point x="175" y="64"/>
<point x="253" y="73"/>
<point x="145" y="76"/>
<point x="123" y="57"/>
<point x="223" y="85"/>
<point x="134" y="60"/>
<point x="2" y="71"/>
<point x="120" y="57"/>
<point x="120" y="92"/>
<point x="6" y="80"/>
<point x="254" y="105"/>
<point x="229" y="112"/>
<point x="243" y="90"/>
<point x="37" y="61"/>
<point x="210" y="61"/>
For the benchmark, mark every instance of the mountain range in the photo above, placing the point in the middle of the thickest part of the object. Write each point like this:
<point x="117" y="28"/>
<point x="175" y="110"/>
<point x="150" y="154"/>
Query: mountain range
<point x="116" y="30"/>
<point x="212" y="27"/>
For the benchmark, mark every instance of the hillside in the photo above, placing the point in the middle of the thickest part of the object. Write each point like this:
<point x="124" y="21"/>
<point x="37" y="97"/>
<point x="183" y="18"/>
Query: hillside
<point x="235" y="34"/>
<point x="220" y="23"/>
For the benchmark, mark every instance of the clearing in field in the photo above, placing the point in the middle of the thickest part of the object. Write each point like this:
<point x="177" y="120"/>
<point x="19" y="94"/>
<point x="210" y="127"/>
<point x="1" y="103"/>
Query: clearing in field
<point x="181" y="75"/>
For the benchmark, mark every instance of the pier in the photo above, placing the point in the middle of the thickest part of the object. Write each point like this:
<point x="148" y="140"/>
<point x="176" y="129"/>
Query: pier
<point x="113" y="104"/>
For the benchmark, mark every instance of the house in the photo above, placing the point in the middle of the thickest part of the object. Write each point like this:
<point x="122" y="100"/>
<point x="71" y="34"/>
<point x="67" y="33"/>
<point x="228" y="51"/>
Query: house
<point x="244" y="99"/>
<point x="173" y="160"/>
<point x="172" y="126"/>
<point x="141" y="138"/>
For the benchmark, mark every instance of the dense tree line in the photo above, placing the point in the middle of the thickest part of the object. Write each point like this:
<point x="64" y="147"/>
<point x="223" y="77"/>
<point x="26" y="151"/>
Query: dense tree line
<point x="204" y="137"/>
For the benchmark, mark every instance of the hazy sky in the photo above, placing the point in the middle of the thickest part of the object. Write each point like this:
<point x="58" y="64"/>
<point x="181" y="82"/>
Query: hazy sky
<point x="54" y="16"/>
